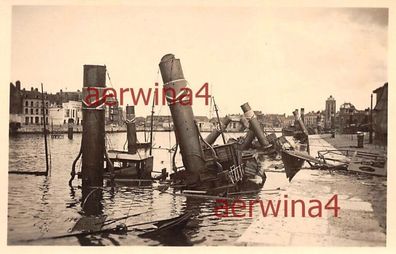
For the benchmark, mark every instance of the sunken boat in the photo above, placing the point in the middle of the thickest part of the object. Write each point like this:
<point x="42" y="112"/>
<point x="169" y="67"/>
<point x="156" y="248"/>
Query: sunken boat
<point x="212" y="169"/>
<point x="136" y="162"/>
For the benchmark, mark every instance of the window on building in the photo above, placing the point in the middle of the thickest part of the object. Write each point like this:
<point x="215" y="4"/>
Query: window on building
<point x="26" y="111"/>
<point x="31" y="104"/>
<point x="26" y="103"/>
<point x="31" y="119"/>
<point x="37" y="111"/>
<point x="31" y="112"/>
<point x="46" y="111"/>
<point x="26" y="120"/>
<point x="36" y="120"/>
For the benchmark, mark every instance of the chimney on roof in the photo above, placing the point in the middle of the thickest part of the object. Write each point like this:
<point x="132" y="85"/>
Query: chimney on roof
<point x="18" y="85"/>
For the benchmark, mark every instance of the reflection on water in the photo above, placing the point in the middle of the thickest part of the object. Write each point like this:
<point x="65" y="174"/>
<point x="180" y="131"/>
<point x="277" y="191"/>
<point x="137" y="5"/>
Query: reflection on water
<point x="41" y="207"/>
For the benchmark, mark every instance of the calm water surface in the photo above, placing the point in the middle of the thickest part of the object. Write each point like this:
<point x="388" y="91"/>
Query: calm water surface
<point x="41" y="206"/>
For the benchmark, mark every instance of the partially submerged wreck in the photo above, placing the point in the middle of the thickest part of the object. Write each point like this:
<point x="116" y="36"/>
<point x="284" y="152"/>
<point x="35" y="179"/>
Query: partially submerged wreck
<point x="216" y="169"/>
<point x="136" y="162"/>
<point x="212" y="169"/>
<point x="208" y="168"/>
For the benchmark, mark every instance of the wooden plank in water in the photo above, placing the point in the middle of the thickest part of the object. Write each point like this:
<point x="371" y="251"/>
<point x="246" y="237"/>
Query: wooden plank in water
<point x="35" y="173"/>
<point x="89" y="224"/>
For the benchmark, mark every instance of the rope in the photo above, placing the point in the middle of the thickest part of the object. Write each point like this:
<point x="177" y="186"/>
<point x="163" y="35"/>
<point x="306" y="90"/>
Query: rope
<point x="206" y="143"/>
<point x="174" y="168"/>
<point x="89" y="194"/>
<point x="73" y="171"/>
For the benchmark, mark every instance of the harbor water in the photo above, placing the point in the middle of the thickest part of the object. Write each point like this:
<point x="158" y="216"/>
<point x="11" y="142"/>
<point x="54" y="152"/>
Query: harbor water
<point x="41" y="207"/>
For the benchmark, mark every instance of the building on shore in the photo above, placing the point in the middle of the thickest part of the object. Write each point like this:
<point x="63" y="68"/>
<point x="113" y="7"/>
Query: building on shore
<point x="271" y="120"/>
<point x="114" y="113"/>
<point x="312" y="119"/>
<point x="203" y="123"/>
<point x="56" y="115"/>
<point x="26" y="107"/>
<point x="16" y="109"/>
<point x="159" y="122"/>
<point x="236" y="123"/>
<point x="380" y="114"/>
<point x="350" y="120"/>
<point x="65" y="96"/>
<point x="330" y="113"/>
<point x="33" y="107"/>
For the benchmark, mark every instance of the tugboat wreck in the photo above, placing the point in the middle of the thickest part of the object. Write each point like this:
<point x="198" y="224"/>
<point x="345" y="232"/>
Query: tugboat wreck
<point x="208" y="168"/>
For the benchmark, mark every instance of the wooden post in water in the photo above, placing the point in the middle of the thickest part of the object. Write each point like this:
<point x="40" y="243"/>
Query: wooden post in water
<point x="186" y="132"/>
<point x="371" y="120"/>
<point x="131" y="129"/>
<point x="44" y="131"/>
<point x="151" y="128"/>
<point x="255" y="125"/>
<point x="93" y="136"/>
<point x="70" y="129"/>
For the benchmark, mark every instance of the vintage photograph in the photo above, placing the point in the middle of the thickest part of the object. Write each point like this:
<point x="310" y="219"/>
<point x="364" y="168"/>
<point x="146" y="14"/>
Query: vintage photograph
<point x="198" y="124"/>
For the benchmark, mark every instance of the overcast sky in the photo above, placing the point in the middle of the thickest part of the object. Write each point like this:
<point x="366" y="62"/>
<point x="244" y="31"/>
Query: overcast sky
<point x="276" y="59"/>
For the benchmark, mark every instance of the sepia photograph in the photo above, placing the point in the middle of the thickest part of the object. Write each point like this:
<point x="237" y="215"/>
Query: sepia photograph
<point x="197" y="124"/>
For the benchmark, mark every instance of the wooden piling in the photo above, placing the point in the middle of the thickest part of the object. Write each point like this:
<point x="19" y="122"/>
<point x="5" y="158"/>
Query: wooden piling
<point x="131" y="129"/>
<point x="185" y="129"/>
<point x="255" y="125"/>
<point x="43" y="108"/>
<point x="371" y="120"/>
<point x="70" y="129"/>
<point x="93" y="136"/>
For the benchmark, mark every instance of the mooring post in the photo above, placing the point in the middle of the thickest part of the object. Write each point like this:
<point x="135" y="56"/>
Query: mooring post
<point x="93" y="136"/>
<point x="211" y="138"/>
<point x="255" y="125"/>
<point x="70" y="129"/>
<point x="131" y="129"/>
<point x="185" y="129"/>
<point x="43" y="108"/>
<point x="371" y="120"/>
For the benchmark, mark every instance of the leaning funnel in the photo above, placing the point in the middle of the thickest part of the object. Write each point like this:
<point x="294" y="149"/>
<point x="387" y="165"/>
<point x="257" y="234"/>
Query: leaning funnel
<point x="186" y="131"/>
